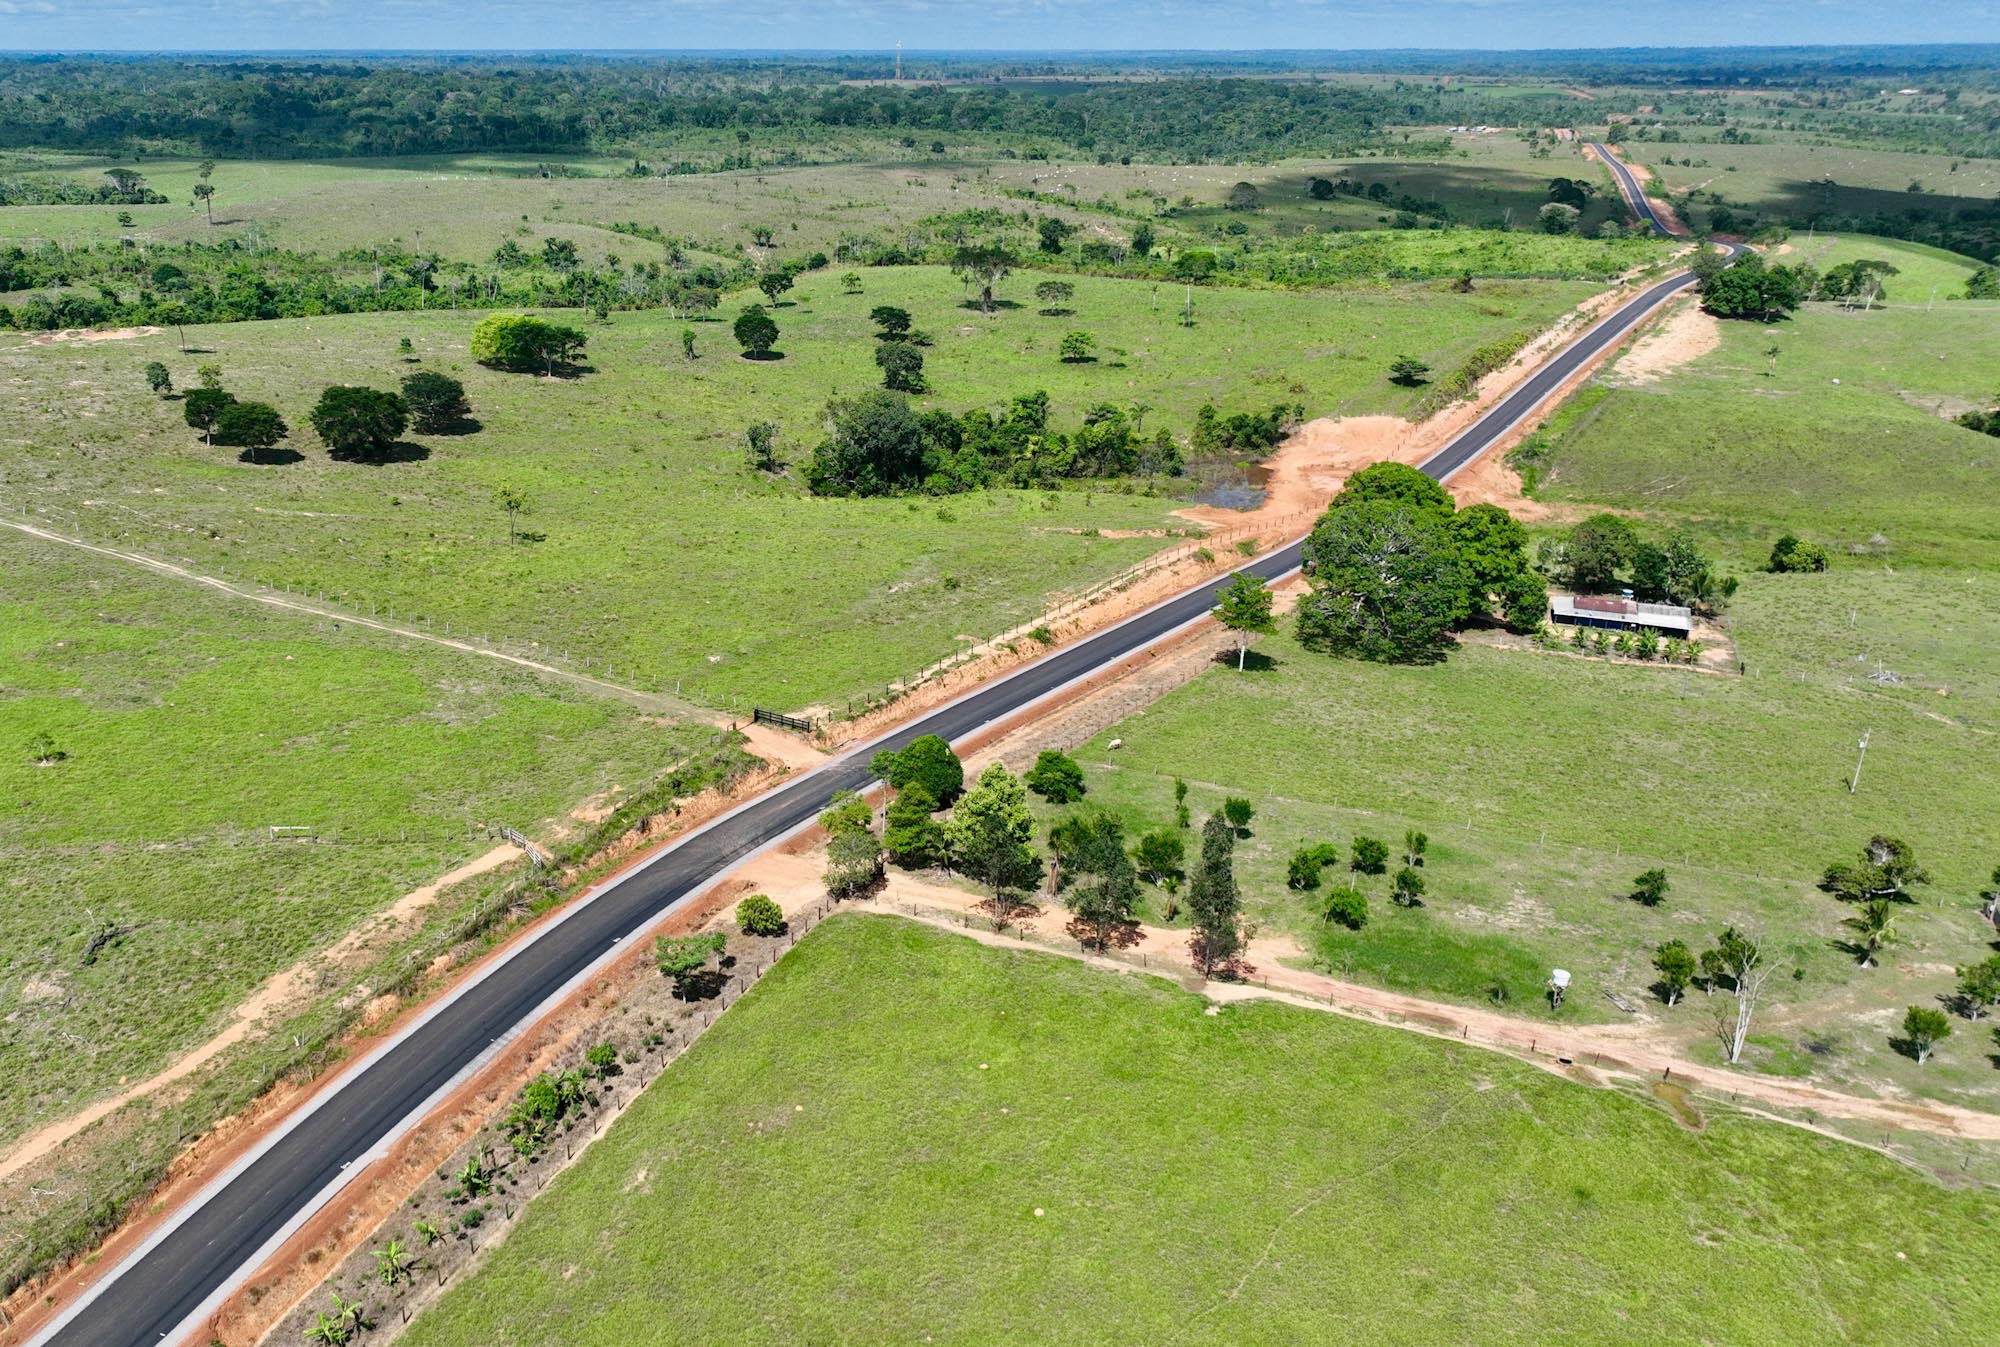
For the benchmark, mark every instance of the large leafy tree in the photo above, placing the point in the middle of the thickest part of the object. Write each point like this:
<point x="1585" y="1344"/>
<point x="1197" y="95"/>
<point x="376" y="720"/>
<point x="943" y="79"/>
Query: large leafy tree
<point x="911" y="834"/>
<point x="1101" y="885"/>
<point x="1752" y="289"/>
<point x="436" y="401"/>
<point x="1387" y="583"/>
<point x="1493" y="547"/>
<point x="1214" y="901"/>
<point x="515" y="341"/>
<point x="984" y="265"/>
<point x="1396" y="484"/>
<point x="359" y="422"/>
<point x="902" y="367"/>
<point x="756" y="332"/>
<point x="1887" y="869"/>
<point x="876" y="448"/>
<point x="926" y="761"/>
<point x="252" y="426"/>
<point x="202" y="408"/>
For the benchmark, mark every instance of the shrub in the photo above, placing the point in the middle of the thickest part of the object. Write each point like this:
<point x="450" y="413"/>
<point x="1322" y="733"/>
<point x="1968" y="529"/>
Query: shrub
<point x="927" y="761"/>
<point x="1238" y="811"/>
<point x="1303" y="872"/>
<point x="1348" y="907"/>
<point x="1409" y="888"/>
<point x="1056" y="777"/>
<point x="1370" y="856"/>
<point x="758" y="915"/>
<point x="436" y="401"/>
<point x="1793" y="554"/>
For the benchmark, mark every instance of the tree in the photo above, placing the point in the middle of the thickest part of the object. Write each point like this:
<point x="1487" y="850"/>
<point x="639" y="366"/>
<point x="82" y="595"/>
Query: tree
<point x="1493" y="548"/>
<point x="204" y="190"/>
<point x="911" y="834"/>
<point x="1368" y="856"/>
<point x="756" y="333"/>
<point x="43" y="751"/>
<point x="201" y="408"/>
<point x="158" y="379"/>
<point x="1056" y="777"/>
<point x="1407" y="889"/>
<point x="1874" y="926"/>
<point x="684" y="958"/>
<point x="393" y="1264"/>
<point x="1572" y="191"/>
<point x="1159" y="854"/>
<point x="1594" y="552"/>
<point x="774" y="283"/>
<point x="436" y="401"/>
<point x="1888" y="869"/>
<point x="1408" y="371"/>
<point x="687" y="345"/>
<point x="1707" y="263"/>
<point x="1396" y="484"/>
<point x="1650" y="888"/>
<point x="1792" y="554"/>
<point x="255" y="426"/>
<point x="1415" y="845"/>
<point x="1319" y="189"/>
<point x="1979" y="987"/>
<point x="992" y="834"/>
<point x="1675" y="963"/>
<point x="876" y="448"/>
<point x="514" y="503"/>
<point x="1101" y="886"/>
<point x="1142" y="239"/>
<point x="902" y="367"/>
<point x="1923" y="1029"/>
<point x="1077" y="347"/>
<point x="1214" y="901"/>
<point x="1737" y="959"/>
<point x="1245" y="608"/>
<point x="1558" y="218"/>
<point x="1386" y="584"/>
<point x="984" y="265"/>
<point x="1243" y="196"/>
<point x="1239" y="812"/>
<point x="209" y="376"/>
<point x="850" y="282"/>
<point x="1054" y="297"/>
<point x="761" y="441"/>
<point x="891" y="323"/>
<point x="853" y="862"/>
<point x="559" y="255"/>
<point x="758" y="915"/>
<point x="1051" y="231"/>
<point x="1983" y="283"/>
<point x="1346" y="906"/>
<point x="925" y="761"/>
<point x="1750" y="289"/>
<point x="1303" y="871"/>
<point x="359" y="422"/>
<point x="515" y="341"/>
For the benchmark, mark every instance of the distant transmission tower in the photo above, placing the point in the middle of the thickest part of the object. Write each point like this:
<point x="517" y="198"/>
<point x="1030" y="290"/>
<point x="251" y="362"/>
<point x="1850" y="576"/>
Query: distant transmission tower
<point x="899" y="60"/>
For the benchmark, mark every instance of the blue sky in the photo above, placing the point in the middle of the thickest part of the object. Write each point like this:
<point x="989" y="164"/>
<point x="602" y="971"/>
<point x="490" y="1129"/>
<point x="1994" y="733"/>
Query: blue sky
<point x="849" y="25"/>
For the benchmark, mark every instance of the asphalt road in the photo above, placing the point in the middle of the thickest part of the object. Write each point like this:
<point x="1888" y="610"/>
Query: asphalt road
<point x="1628" y="186"/>
<point x="166" y="1288"/>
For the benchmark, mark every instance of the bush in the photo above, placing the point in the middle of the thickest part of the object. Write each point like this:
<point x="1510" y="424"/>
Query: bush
<point x="514" y="341"/>
<point x="359" y="422"/>
<point x="602" y="1061"/>
<point x="436" y="401"/>
<point x="1348" y="907"/>
<point x="1056" y="777"/>
<point x="926" y="761"/>
<point x="911" y="835"/>
<point x="1238" y="811"/>
<point x="758" y="915"/>
<point x="1303" y="873"/>
<point x="1409" y="888"/>
<point x="1793" y="554"/>
<point x="1370" y="856"/>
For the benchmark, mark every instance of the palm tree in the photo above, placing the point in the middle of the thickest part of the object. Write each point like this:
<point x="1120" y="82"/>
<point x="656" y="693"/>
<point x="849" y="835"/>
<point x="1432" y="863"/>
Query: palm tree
<point x="1873" y="927"/>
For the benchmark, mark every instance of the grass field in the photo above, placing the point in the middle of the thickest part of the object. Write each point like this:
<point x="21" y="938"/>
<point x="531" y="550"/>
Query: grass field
<point x="903" y="1136"/>
<point x="1753" y="451"/>
<point x="662" y="555"/>
<point x="190" y="724"/>
<point x="1788" y="177"/>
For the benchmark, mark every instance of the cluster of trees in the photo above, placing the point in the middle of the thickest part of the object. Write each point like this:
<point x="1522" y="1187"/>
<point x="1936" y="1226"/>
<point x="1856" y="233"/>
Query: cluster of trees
<point x="1987" y="422"/>
<point x="354" y="423"/>
<point x="514" y="341"/>
<point x="1749" y="287"/>
<point x="1346" y="904"/>
<point x="121" y="187"/>
<point x="1605" y="552"/>
<point x="879" y="445"/>
<point x="1394" y="566"/>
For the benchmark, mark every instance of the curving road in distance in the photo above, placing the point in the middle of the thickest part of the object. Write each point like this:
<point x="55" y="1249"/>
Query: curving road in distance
<point x="165" y="1289"/>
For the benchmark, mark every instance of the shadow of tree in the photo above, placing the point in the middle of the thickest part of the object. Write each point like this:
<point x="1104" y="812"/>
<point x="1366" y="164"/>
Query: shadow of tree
<point x="270" y="458"/>
<point x="402" y="451"/>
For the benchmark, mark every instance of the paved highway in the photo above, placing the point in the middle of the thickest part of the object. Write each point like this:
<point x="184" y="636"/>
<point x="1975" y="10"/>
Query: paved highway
<point x="165" y="1289"/>
<point x="1628" y="186"/>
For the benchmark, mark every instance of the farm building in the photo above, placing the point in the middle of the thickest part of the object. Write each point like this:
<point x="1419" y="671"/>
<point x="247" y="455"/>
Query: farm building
<point x="1620" y="614"/>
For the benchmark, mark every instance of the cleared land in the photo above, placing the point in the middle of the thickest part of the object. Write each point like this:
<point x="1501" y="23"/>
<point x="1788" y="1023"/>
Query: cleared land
<point x="831" y="1162"/>
<point x="661" y="554"/>
<point x="1802" y="179"/>
<point x="1845" y="435"/>
<point x="190" y="724"/>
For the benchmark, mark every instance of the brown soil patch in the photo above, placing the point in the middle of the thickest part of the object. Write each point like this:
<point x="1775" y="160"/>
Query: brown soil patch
<point x="92" y="335"/>
<point x="1685" y="334"/>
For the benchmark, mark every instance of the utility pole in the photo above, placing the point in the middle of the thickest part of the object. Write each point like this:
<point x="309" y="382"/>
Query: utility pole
<point x="899" y="60"/>
<point x="1863" y="757"/>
